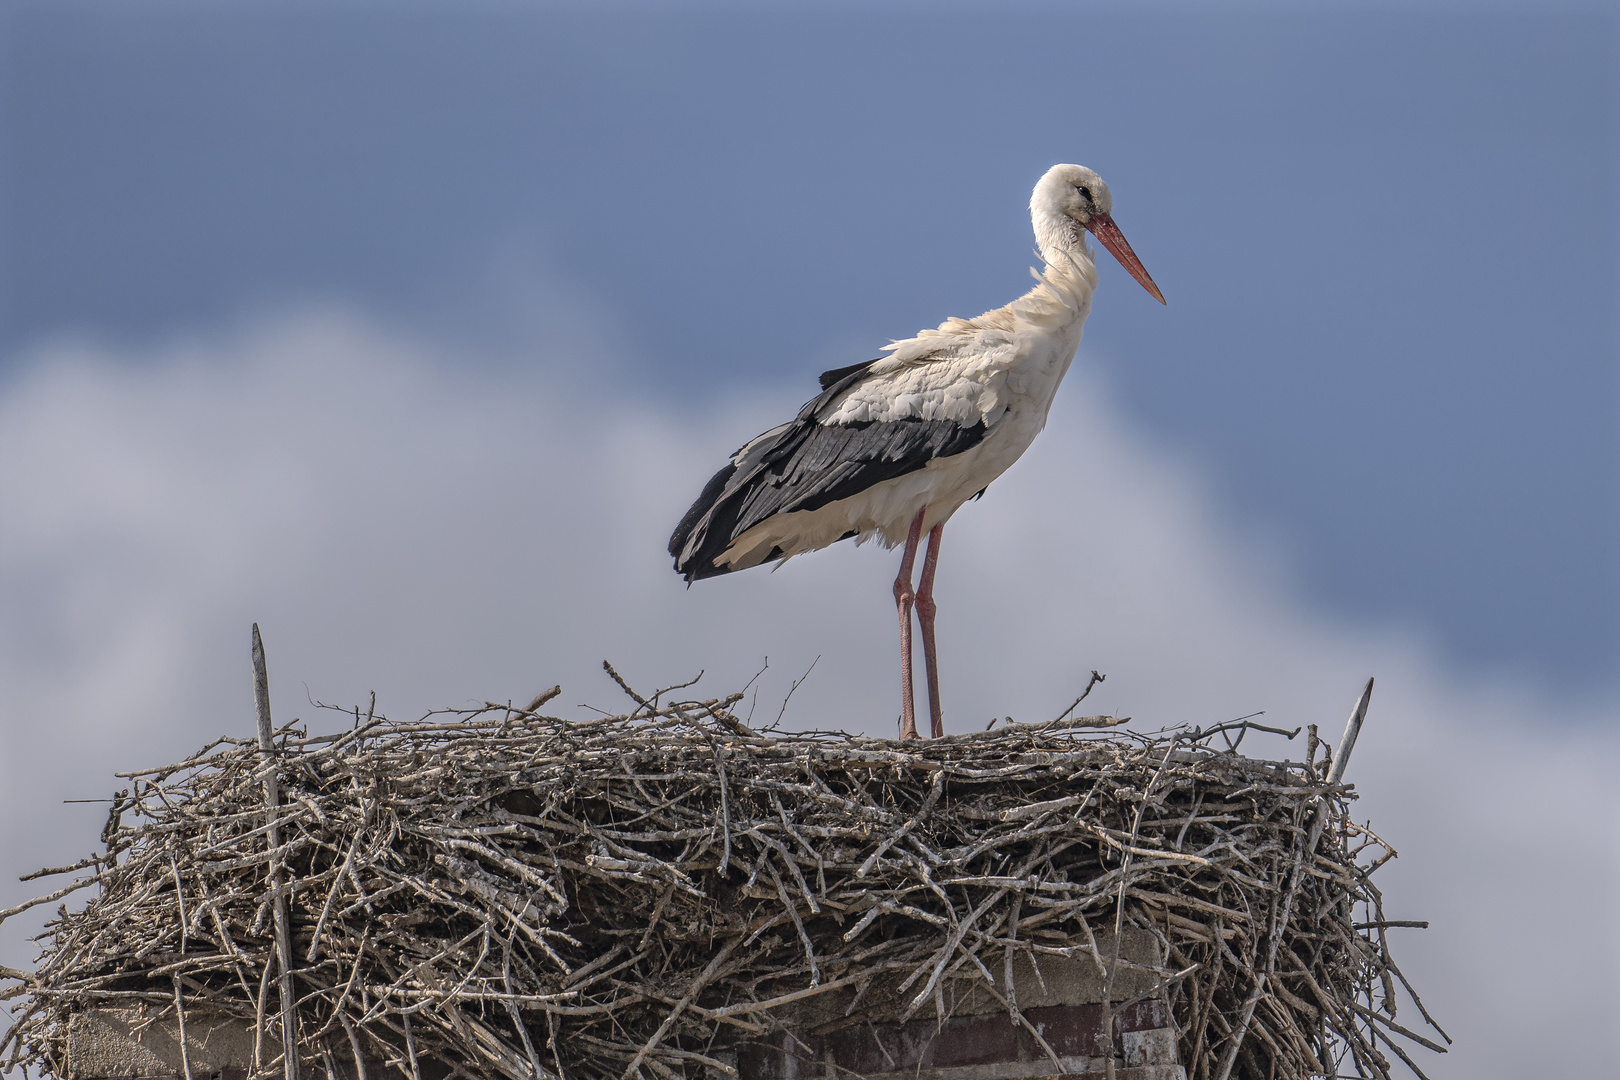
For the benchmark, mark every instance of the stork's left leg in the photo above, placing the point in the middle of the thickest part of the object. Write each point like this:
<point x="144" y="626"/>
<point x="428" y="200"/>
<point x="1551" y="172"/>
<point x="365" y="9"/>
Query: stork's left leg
<point x="925" y="617"/>
<point x="904" y="596"/>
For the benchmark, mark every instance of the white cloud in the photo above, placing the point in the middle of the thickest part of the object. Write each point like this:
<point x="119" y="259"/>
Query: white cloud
<point x="444" y="534"/>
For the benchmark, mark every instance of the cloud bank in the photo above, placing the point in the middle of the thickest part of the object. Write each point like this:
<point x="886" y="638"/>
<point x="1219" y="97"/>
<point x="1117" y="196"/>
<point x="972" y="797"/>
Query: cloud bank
<point x="444" y="532"/>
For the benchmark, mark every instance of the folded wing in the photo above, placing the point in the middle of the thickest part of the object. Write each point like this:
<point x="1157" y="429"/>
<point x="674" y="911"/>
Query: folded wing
<point x="872" y="422"/>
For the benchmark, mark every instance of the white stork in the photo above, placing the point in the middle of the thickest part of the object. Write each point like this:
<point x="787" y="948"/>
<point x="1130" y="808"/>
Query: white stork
<point x="892" y="447"/>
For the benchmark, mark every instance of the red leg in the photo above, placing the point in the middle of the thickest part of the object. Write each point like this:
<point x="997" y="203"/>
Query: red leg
<point x="904" y="595"/>
<point x="925" y="616"/>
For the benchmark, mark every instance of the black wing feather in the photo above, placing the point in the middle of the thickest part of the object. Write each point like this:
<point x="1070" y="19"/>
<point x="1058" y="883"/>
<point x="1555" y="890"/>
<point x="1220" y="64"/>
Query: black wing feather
<point x="804" y="465"/>
<point x="838" y="375"/>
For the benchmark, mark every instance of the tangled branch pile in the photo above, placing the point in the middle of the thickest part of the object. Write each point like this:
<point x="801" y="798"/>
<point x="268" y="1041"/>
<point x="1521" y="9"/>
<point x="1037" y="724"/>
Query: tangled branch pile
<point x="515" y="894"/>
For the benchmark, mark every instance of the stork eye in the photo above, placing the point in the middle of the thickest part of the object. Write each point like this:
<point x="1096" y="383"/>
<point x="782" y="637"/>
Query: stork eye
<point x="1085" y="192"/>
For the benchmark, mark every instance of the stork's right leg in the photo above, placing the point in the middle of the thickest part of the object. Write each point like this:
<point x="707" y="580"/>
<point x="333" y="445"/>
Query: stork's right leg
<point x="904" y="597"/>
<point x="925" y="619"/>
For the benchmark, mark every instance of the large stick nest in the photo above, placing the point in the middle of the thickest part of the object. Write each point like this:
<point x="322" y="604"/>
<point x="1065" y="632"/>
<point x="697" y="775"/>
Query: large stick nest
<point x="516" y="894"/>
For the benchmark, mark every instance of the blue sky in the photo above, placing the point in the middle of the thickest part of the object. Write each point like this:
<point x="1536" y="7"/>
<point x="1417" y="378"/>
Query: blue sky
<point x="1388" y="238"/>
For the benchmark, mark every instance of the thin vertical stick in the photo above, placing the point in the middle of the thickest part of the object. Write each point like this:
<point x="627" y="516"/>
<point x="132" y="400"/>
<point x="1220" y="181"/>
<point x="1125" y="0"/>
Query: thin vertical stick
<point x="258" y="1020"/>
<point x="272" y="804"/>
<point x="354" y="1044"/>
<point x="725" y="809"/>
<point x="410" y="1046"/>
<point x="180" y="1016"/>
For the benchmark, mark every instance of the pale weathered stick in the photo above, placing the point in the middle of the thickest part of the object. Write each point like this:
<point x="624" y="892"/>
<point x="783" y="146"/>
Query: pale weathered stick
<point x="180" y="1023"/>
<point x="1352" y="728"/>
<point x="272" y="807"/>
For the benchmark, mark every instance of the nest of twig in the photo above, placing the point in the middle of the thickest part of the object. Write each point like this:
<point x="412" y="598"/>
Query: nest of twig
<point x="502" y="892"/>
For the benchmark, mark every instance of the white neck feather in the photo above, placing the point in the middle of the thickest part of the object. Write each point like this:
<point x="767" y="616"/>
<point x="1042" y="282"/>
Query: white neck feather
<point x="1058" y="236"/>
<point x="1070" y="276"/>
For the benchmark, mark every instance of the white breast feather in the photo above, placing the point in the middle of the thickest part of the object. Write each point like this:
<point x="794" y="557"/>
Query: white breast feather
<point x="959" y="372"/>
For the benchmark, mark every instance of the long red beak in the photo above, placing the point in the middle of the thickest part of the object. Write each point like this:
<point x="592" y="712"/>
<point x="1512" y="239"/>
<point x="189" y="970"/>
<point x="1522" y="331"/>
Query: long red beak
<point x="1103" y="228"/>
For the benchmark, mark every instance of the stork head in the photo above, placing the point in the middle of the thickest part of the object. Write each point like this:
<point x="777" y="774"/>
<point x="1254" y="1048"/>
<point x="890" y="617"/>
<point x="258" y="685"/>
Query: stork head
<point x="1072" y="197"/>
